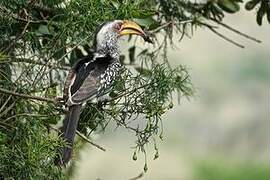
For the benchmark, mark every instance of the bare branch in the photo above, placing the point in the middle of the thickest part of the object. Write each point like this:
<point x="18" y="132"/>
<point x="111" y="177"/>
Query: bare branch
<point x="89" y="141"/>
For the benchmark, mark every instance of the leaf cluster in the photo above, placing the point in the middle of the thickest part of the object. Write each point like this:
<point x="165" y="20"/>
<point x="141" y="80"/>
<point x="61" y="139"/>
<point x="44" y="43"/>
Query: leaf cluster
<point x="146" y="95"/>
<point x="28" y="152"/>
<point x="263" y="9"/>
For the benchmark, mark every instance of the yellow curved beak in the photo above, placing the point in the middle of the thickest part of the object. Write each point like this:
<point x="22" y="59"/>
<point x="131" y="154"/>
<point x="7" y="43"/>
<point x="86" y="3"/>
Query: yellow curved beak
<point x="130" y="27"/>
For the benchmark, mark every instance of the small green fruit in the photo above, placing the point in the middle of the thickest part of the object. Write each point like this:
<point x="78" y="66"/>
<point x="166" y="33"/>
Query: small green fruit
<point x="145" y="168"/>
<point x="134" y="157"/>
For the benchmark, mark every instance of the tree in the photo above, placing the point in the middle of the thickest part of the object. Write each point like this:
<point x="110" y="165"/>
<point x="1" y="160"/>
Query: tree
<point x="41" y="39"/>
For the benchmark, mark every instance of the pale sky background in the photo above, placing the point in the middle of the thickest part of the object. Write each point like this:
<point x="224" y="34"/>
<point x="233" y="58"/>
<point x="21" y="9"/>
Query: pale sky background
<point x="228" y="116"/>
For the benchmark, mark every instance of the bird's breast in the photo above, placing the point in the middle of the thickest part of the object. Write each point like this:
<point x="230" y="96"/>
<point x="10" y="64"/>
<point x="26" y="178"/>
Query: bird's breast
<point x="109" y="76"/>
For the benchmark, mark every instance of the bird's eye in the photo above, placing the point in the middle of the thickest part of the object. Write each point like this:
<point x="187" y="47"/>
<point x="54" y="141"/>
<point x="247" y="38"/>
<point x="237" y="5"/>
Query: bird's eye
<point x="117" y="26"/>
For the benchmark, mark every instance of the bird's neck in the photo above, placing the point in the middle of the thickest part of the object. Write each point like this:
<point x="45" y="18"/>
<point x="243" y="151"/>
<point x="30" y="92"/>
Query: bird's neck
<point x="109" y="47"/>
<point x="112" y="52"/>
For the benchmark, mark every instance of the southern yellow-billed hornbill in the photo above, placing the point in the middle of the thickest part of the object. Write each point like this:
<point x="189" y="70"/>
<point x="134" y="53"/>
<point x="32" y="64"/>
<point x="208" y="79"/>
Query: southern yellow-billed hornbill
<point x="93" y="74"/>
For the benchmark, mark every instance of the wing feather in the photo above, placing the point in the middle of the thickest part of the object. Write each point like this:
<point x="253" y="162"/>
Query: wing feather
<point x="87" y="80"/>
<point x="88" y="89"/>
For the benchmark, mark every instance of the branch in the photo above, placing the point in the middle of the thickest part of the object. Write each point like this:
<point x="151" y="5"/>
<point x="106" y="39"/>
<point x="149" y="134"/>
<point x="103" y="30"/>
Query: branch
<point x="5" y="91"/>
<point x="29" y="61"/>
<point x="168" y="24"/>
<point x="89" y="141"/>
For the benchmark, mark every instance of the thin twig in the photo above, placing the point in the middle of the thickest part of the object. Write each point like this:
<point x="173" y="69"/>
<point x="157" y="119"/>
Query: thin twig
<point x="138" y="177"/>
<point x="236" y="31"/>
<point x="168" y="24"/>
<point x="161" y="27"/>
<point x="43" y="8"/>
<point x="81" y="136"/>
<point x="6" y="126"/>
<point x="74" y="47"/>
<point x="29" y="61"/>
<point x="89" y="141"/>
<point x="7" y="109"/>
<point x="19" y="36"/>
<point x="129" y="92"/>
<point x="224" y="37"/>
<point x="16" y="17"/>
<point x="38" y="98"/>
<point x="27" y="114"/>
<point x="5" y="103"/>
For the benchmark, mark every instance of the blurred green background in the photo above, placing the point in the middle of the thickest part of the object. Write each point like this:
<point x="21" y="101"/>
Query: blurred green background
<point x="220" y="134"/>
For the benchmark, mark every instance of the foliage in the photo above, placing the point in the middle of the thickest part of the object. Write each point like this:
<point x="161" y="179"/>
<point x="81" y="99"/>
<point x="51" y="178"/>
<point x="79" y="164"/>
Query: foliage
<point x="41" y="39"/>
<point x="147" y="95"/>
<point x="263" y="10"/>
<point x="28" y="152"/>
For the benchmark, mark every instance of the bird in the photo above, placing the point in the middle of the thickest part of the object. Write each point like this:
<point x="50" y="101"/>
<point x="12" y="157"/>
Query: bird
<point x="92" y="75"/>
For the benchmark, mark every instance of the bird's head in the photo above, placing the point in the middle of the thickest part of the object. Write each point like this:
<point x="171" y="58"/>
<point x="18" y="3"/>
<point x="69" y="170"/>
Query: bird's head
<point x="108" y="34"/>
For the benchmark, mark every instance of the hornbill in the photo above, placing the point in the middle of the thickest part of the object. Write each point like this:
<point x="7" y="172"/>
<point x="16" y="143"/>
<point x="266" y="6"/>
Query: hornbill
<point x="92" y="75"/>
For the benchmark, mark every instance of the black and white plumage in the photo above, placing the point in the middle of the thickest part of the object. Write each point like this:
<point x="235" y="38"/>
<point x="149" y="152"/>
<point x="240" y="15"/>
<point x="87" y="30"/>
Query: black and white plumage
<point x="92" y="75"/>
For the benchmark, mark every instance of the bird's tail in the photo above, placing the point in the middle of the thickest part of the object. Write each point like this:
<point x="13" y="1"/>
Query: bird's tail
<point x="68" y="132"/>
